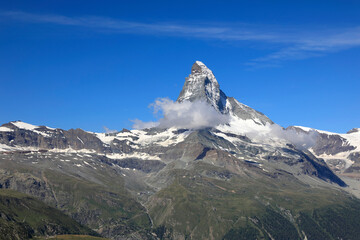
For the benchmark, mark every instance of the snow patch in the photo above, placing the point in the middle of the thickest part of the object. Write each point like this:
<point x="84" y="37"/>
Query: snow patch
<point x="143" y="156"/>
<point x="105" y="138"/>
<point x="342" y="155"/>
<point x="30" y="127"/>
<point x="6" y="129"/>
<point x="25" y="126"/>
<point x="71" y="150"/>
<point x="163" y="138"/>
<point x="6" y="148"/>
<point x="271" y="134"/>
<point x="80" y="140"/>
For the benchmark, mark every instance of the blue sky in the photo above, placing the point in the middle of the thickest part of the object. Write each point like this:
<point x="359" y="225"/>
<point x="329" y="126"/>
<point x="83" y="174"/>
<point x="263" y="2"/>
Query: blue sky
<point x="90" y="64"/>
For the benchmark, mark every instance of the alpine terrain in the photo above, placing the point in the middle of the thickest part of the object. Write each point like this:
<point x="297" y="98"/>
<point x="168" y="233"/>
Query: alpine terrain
<point x="235" y="174"/>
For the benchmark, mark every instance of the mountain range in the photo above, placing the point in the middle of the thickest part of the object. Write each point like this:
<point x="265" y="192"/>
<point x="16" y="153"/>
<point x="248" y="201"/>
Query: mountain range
<point x="212" y="168"/>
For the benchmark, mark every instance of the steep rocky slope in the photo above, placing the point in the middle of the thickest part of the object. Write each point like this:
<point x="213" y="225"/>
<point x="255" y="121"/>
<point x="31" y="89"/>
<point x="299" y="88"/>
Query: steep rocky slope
<point x="340" y="151"/>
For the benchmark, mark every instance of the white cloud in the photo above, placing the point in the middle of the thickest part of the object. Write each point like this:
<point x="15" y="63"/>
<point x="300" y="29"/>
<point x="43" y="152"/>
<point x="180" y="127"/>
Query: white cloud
<point x="298" y="138"/>
<point x="199" y="114"/>
<point x="189" y="115"/>
<point x="269" y="133"/>
<point x="120" y="26"/>
<point x="314" y="45"/>
<point x="138" y="124"/>
<point x="107" y="130"/>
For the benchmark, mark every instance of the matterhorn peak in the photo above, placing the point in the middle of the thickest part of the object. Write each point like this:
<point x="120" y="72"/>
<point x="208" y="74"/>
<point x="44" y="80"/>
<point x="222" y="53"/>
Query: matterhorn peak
<point x="200" y="67"/>
<point x="201" y="85"/>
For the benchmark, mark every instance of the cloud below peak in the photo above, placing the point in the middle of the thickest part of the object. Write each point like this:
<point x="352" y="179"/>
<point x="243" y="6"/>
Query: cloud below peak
<point x="189" y="115"/>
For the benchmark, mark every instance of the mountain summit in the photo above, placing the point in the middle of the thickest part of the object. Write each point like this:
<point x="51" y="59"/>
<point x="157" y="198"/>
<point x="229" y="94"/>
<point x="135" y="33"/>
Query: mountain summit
<point x="201" y="85"/>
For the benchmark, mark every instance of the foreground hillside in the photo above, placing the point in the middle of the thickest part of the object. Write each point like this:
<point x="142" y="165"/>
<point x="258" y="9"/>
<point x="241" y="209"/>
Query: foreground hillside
<point x="24" y="217"/>
<point x="251" y="207"/>
<point x="93" y="197"/>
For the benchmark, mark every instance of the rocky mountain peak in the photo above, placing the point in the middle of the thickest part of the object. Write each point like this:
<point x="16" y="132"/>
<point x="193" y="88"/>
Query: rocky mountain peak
<point x="201" y="85"/>
<point x="200" y="67"/>
<point x="354" y="130"/>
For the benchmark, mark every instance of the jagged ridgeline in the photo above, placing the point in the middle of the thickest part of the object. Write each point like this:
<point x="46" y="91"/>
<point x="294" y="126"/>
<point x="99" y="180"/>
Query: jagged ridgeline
<point x="242" y="178"/>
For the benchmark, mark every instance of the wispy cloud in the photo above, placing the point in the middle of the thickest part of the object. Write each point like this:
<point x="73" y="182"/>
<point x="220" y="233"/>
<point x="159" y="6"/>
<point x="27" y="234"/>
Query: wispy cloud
<point x="315" y="45"/>
<point x="290" y="44"/>
<point x="102" y="23"/>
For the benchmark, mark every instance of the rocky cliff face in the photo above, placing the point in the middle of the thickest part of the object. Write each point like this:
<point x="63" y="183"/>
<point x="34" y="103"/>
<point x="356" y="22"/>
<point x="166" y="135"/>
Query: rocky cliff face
<point x="19" y="134"/>
<point x="340" y="151"/>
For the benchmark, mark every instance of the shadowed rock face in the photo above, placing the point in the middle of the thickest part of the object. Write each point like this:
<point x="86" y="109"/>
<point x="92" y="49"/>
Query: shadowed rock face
<point x="319" y="168"/>
<point x="355" y="156"/>
<point x="205" y="146"/>
<point x="355" y="167"/>
<point x="340" y="151"/>
<point x="331" y="144"/>
<point x="46" y="138"/>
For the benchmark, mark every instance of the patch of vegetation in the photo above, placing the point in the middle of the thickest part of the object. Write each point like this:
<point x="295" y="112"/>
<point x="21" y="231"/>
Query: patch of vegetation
<point x="243" y="232"/>
<point x="278" y="226"/>
<point x="97" y="198"/>
<point x="340" y="221"/>
<point x="89" y="202"/>
<point x="23" y="217"/>
<point x="201" y="207"/>
<point x="311" y="228"/>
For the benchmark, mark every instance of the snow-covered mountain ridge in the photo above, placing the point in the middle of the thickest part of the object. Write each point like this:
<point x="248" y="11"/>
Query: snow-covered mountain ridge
<point x="201" y="85"/>
<point x="248" y="135"/>
<point x="341" y="151"/>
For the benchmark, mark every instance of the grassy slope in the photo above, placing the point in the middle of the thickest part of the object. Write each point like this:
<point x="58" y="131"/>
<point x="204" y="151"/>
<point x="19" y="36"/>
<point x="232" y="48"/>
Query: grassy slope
<point x="111" y="203"/>
<point x="23" y="216"/>
<point x="101" y="203"/>
<point x="200" y="207"/>
<point x="244" y="207"/>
